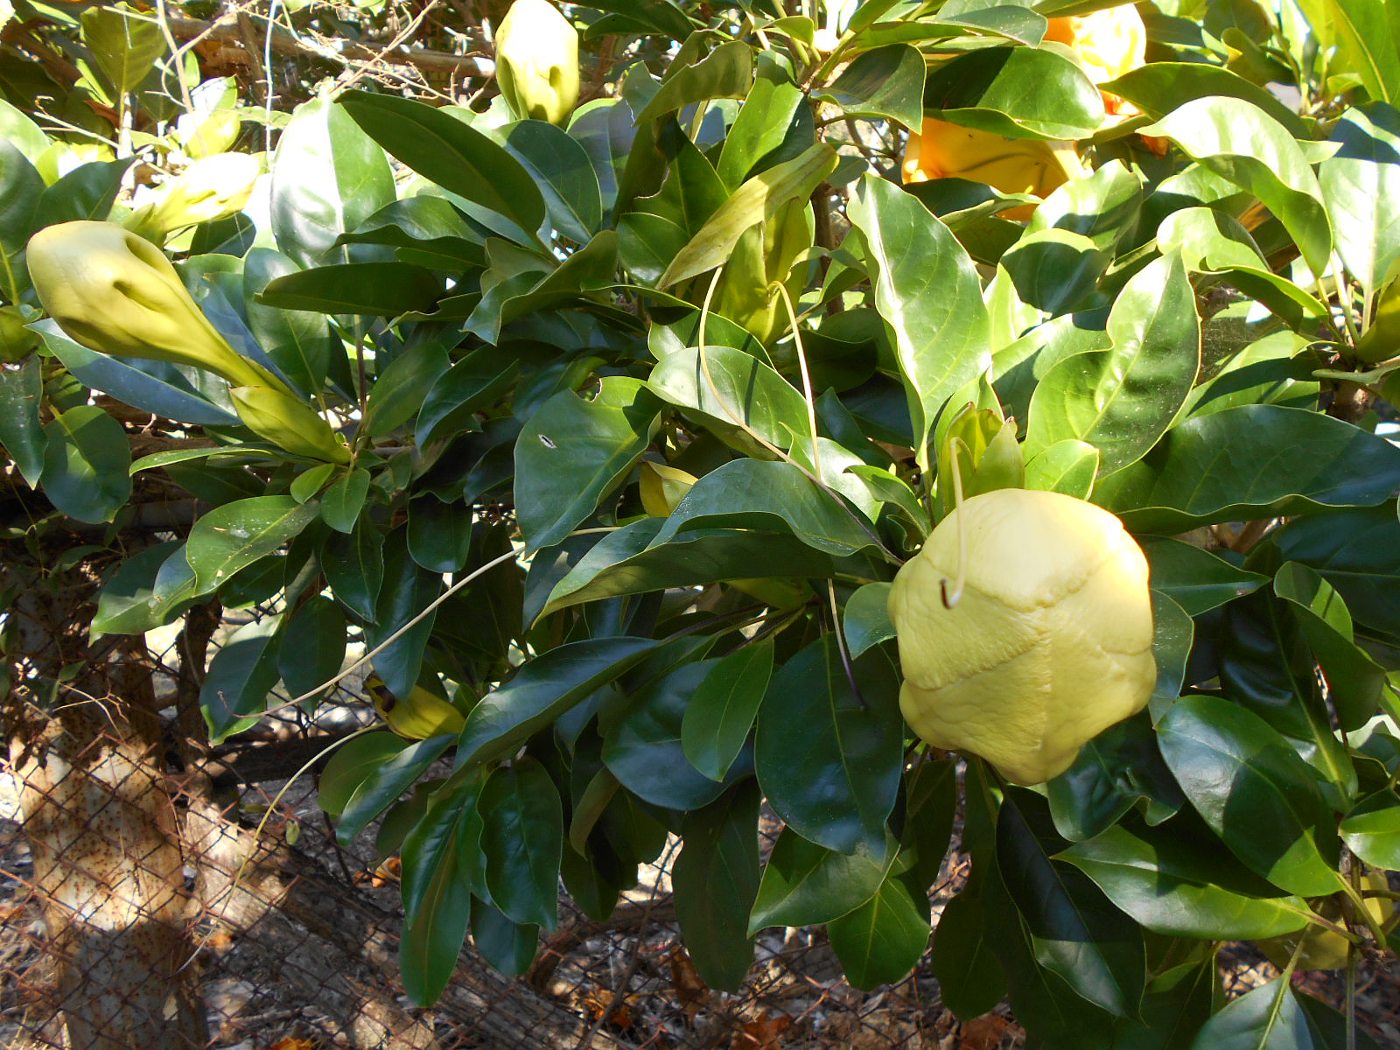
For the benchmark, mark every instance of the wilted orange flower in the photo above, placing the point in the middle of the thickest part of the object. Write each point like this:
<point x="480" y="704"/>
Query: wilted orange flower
<point x="947" y="150"/>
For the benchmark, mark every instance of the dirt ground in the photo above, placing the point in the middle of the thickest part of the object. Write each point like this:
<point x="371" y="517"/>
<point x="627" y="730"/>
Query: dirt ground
<point x="626" y="984"/>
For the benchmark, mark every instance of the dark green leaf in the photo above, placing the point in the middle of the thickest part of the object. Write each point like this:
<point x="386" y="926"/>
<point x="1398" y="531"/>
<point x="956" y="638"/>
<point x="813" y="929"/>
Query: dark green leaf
<point x="744" y="389"/>
<point x="805" y="884"/>
<point x="437" y="898"/>
<point x="313" y="645"/>
<point x="375" y="288"/>
<point x="448" y="151"/>
<point x="541" y="691"/>
<point x="1178" y="882"/>
<point x="1282" y="461"/>
<point x="407" y="592"/>
<point x="354" y="566"/>
<point x="124" y="603"/>
<point x="1194" y="578"/>
<point x="883" y="939"/>
<point x="1254" y="792"/>
<point x="385" y="784"/>
<point x="22" y="434"/>
<point x="522" y="834"/>
<point x="353" y="764"/>
<point x="629" y="562"/>
<point x="240" y="676"/>
<point x="722" y="709"/>
<point x="1016" y="91"/>
<point x="86" y="462"/>
<point x="563" y="174"/>
<point x="1372" y="830"/>
<point x="715" y="881"/>
<point x="643" y="747"/>
<point x="572" y="453"/>
<point x="1159" y="87"/>
<point x="508" y="946"/>
<point x="970" y="979"/>
<point x="840" y="784"/>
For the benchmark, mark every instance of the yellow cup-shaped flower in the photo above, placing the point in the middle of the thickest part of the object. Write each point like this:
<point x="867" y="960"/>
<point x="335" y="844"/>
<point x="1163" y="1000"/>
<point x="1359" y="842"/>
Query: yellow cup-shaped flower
<point x="1049" y="644"/>
<point x="1107" y="44"/>
<point x="947" y="150"/>
<point x="115" y="292"/>
<point x="537" y="61"/>
<point x="209" y="189"/>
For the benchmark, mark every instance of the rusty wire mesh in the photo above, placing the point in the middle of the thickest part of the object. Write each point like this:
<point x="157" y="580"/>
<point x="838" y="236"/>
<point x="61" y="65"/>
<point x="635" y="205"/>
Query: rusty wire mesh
<point x="287" y="941"/>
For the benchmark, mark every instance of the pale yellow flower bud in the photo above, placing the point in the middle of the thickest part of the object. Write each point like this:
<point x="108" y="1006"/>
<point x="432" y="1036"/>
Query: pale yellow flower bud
<point x="537" y="61"/>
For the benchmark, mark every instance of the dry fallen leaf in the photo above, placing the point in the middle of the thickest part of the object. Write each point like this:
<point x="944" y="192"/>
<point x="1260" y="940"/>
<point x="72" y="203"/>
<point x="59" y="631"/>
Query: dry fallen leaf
<point x="984" y="1033"/>
<point x="763" y="1034"/>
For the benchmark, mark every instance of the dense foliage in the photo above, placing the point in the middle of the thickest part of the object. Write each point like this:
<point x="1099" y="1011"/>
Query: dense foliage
<point x="606" y="436"/>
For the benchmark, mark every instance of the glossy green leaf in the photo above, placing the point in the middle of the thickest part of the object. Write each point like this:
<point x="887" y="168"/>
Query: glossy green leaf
<point x="399" y="390"/>
<point x="726" y="72"/>
<point x="744" y="390"/>
<point x="152" y="386"/>
<point x="240" y="676"/>
<point x="404" y="598"/>
<point x="1281" y="462"/>
<point x="237" y="534"/>
<point x="1075" y="932"/>
<point x="715" y="881"/>
<point x="1240" y="142"/>
<point x="437" y="898"/>
<point x="299" y="342"/>
<point x="1067" y="466"/>
<point x="86" y="461"/>
<point x="805" y="884"/>
<point x="541" y="691"/>
<point x="313" y="645"/>
<point x="20" y="189"/>
<point x="759" y="198"/>
<point x="722" y="709"/>
<point x="762" y="124"/>
<point x="572" y="453"/>
<point x="354" y="567"/>
<point x="1122" y="400"/>
<point x="887" y="82"/>
<point x="1267" y="1018"/>
<point x="883" y="939"/>
<point x="1355" y="680"/>
<point x="328" y="177"/>
<point x="457" y="395"/>
<point x="1372" y="830"/>
<point x="1016" y="91"/>
<point x="970" y="978"/>
<point x="628" y="562"/>
<point x="1114" y="772"/>
<point x="1215" y="243"/>
<point x="749" y="493"/>
<point x="643" y="747"/>
<point x="375" y="288"/>
<point x="351" y="765"/>
<point x="508" y="946"/>
<point x="21" y="432"/>
<point x="385" y="784"/>
<point x="447" y="150"/>
<point x="522" y="834"/>
<point x="562" y="172"/>
<point x="342" y="502"/>
<point x="866" y="618"/>
<point x="929" y="295"/>
<point x="1361" y="186"/>
<point x="1354" y="550"/>
<point x="1194" y="578"/>
<point x="839" y="786"/>
<point x="1179" y="883"/>
<point x="124" y="603"/>
<point x="1254" y="792"/>
<point x="1158" y="88"/>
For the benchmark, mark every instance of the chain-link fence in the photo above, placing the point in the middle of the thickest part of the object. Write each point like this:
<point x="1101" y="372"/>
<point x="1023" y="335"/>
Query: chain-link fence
<point x="140" y="901"/>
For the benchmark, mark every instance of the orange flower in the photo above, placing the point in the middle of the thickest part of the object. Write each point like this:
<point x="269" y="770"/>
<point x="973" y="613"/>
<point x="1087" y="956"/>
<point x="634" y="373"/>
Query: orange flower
<point x="1107" y="44"/>
<point x="947" y="150"/>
